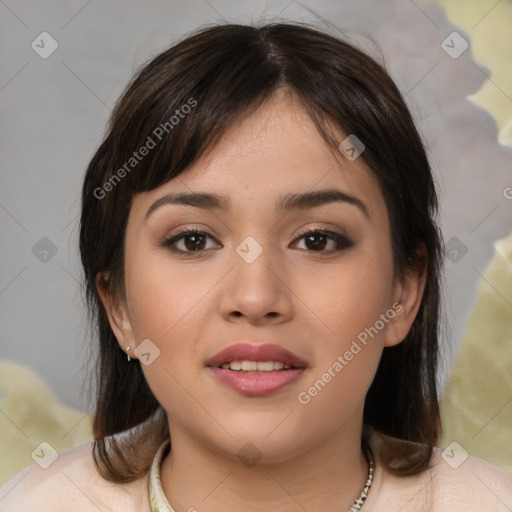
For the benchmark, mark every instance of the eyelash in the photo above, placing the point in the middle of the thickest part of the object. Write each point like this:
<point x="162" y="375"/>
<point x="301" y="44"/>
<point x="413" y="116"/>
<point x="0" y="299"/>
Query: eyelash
<point x="342" y="241"/>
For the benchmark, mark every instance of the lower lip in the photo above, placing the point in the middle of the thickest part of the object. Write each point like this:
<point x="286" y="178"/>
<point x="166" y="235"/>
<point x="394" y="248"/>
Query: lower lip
<point x="254" y="383"/>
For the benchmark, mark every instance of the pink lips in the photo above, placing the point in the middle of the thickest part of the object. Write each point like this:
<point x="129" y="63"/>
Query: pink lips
<point x="255" y="383"/>
<point x="249" y="352"/>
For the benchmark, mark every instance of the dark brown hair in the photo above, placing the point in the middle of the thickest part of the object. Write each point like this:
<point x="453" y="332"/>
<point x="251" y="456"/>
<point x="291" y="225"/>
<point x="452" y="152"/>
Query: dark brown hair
<point x="224" y="73"/>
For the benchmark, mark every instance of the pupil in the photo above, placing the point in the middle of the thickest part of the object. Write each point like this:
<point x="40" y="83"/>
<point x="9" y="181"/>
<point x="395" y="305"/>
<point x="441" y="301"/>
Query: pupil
<point x="194" y="245"/>
<point x="316" y="244"/>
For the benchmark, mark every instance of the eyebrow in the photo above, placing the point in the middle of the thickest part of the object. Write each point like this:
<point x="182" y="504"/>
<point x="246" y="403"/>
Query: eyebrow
<point x="287" y="203"/>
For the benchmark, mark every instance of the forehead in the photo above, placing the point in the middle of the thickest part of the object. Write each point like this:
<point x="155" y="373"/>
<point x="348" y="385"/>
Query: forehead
<point x="273" y="152"/>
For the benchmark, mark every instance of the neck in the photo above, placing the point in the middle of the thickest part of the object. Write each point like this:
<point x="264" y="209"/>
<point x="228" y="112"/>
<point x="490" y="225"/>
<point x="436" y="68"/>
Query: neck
<point x="329" y="475"/>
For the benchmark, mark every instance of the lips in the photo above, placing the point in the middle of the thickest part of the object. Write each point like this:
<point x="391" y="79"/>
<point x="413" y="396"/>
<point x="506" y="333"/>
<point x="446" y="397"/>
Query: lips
<point x="256" y="383"/>
<point x="251" y="352"/>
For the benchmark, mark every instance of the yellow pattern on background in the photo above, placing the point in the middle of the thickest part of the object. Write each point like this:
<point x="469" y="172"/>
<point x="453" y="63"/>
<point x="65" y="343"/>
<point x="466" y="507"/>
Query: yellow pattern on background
<point x="476" y="405"/>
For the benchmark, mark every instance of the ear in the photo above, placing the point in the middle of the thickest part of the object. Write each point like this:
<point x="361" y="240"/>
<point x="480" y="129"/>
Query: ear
<point x="117" y="313"/>
<point x="408" y="292"/>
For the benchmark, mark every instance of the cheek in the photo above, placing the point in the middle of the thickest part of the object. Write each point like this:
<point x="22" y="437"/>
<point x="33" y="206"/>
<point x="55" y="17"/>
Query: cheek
<point x="164" y="296"/>
<point x="348" y="296"/>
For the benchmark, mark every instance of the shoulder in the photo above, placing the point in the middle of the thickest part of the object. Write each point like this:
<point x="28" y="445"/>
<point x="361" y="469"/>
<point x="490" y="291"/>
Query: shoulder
<point x="452" y="482"/>
<point x="464" y="482"/>
<point x="70" y="482"/>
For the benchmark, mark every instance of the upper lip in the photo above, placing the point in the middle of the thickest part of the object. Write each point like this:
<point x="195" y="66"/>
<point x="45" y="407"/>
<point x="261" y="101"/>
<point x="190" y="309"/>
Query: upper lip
<point x="252" y="352"/>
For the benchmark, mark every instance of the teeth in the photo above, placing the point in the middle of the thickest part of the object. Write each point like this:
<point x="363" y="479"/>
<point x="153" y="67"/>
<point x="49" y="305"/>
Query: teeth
<point x="256" y="366"/>
<point x="250" y="366"/>
<point x="262" y="366"/>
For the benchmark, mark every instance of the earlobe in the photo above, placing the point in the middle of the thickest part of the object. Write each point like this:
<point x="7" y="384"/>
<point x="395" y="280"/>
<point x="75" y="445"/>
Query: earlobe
<point x="116" y="313"/>
<point x="408" y="293"/>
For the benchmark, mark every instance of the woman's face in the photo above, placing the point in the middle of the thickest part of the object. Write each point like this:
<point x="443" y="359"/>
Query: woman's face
<point x="256" y="279"/>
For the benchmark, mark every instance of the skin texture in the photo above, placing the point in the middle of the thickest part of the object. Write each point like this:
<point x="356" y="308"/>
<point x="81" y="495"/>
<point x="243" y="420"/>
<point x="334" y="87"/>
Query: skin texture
<point x="313" y="303"/>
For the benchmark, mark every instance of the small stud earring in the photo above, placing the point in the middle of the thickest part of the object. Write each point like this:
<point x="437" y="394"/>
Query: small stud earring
<point x="127" y="352"/>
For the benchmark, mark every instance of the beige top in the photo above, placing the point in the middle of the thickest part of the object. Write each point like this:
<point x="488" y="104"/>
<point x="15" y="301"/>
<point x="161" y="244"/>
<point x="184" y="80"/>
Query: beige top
<point x="72" y="482"/>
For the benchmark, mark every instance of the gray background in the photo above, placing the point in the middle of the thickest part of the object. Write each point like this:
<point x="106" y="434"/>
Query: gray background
<point x="53" y="116"/>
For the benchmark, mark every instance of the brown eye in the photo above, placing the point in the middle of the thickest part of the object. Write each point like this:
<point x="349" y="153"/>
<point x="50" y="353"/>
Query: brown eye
<point x="193" y="241"/>
<point x="317" y="240"/>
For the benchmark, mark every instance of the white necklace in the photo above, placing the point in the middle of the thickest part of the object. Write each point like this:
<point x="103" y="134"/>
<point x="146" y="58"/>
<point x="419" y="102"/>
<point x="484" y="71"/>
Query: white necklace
<point x="359" y="502"/>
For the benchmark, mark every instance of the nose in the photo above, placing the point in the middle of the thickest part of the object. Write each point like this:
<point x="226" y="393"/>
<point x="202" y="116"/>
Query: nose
<point x="257" y="291"/>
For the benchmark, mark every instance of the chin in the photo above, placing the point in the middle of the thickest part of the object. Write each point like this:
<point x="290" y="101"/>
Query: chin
<point x="256" y="446"/>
